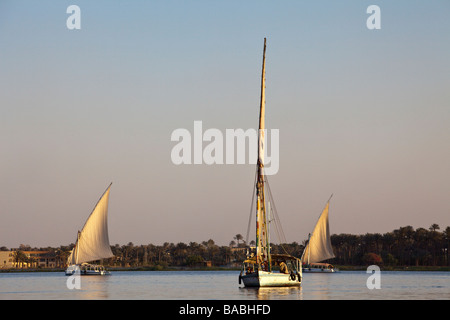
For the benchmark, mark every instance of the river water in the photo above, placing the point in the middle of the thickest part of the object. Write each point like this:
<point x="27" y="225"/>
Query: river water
<point x="223" y="285"/>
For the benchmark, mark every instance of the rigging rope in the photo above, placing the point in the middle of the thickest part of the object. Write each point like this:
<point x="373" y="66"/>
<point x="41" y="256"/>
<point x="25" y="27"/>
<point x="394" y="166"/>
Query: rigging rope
<point x="278" y="228"/>
<point x="251" y="209"/>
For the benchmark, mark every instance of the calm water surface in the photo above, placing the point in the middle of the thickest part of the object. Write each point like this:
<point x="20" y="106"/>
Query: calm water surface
<point x="223" y="285"/>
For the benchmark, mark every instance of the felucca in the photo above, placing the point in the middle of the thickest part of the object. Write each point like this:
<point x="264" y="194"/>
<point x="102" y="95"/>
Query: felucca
<point x="263" y="269"/>
<point x="92" y="242"/>
<point x="318" y="247"/>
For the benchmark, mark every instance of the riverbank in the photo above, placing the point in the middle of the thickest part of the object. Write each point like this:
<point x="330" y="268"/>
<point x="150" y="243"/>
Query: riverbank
<point x="160" y="268"/>
<point x="395" y="268"/>
<point x="119" y="269"/>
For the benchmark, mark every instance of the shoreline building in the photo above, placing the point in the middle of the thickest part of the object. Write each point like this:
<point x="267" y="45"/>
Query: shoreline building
<point x="15" y="259"/>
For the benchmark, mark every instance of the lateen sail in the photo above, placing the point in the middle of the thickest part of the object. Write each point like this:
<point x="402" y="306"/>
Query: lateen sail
<point x="319" y="245"/>
<point x="93" y="241"/>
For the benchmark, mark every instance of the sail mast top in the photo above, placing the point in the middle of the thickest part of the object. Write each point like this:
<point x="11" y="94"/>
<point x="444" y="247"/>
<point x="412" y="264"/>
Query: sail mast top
<point x="262" y="113"/>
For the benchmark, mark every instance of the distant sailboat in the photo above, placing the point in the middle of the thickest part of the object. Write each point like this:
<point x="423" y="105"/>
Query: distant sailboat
<point x="258" y="269"/>
<point x="318" y="247"/>
<point x="92" y="241"/>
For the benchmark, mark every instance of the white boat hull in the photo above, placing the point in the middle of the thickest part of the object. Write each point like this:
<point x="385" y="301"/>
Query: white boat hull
<point x="270" y="279"/>
<point x="86" y="270"/>
<point x="318" y="270"/>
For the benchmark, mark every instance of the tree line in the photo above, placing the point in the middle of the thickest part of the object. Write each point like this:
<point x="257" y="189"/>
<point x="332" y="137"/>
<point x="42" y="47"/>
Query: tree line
<point x="401" y="247"/>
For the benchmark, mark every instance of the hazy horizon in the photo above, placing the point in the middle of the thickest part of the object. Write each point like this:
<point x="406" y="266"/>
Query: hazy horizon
<point x="362" y="114"/>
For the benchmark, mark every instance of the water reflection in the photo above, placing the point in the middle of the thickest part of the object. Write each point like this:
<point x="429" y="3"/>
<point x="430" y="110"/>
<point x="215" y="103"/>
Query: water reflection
<point x="222" y="285"/>
<point x="275" y="293"/>
<point x="93" y="287"/>
<point x="318" y="285"/>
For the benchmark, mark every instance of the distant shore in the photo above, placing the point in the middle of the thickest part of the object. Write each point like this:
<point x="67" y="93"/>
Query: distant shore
<point x="396" y="268"/>
<point x="159" y="268"/>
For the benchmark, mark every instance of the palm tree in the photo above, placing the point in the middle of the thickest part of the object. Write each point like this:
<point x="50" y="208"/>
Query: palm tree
<point x="447" y="236"/>
<point x="179" y="253"/>
<point x="436" y="240"/>
<point x="238" y="238"/>
<point x="434" y="227"/>
<point x="151" y="253"/>
<point x="211" y="248"/>
<point x="20" y="257"/>
<point x="421" y="245"/>
<point x="403" y="237"/>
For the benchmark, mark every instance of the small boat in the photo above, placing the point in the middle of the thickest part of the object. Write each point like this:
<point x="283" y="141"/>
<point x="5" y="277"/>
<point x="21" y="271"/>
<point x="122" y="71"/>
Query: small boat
<point x="87" y="269"/>
<point x="318" y="247"/>
<point x="319" y="267"/>
<point x="92" y="242"/>
<point x="261" y="268"/>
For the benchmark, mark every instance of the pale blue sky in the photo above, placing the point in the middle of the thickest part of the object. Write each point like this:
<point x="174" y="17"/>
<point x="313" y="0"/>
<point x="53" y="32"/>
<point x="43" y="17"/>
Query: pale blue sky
<point x="363" y="114"/>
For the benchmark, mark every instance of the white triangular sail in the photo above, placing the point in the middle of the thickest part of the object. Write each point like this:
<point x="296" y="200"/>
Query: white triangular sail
<point x="93" y="241"/>
<point x="319" y="245"/>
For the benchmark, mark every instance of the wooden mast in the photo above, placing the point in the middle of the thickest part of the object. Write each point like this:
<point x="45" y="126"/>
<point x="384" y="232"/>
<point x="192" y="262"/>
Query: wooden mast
<point x="262" y="245"/>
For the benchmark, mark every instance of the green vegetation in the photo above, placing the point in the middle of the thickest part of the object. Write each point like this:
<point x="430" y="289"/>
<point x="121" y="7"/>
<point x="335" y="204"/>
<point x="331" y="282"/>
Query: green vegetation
<point x="401" y="249"/>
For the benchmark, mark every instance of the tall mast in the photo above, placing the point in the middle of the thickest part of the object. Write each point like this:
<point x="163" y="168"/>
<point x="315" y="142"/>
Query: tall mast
<point x="309" y="249"/>
<point x="78" y="238"/>
<point x="262" y="243"/>
<point x="262" y="110"/>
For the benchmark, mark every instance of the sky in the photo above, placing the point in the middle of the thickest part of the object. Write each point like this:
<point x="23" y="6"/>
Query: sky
<point x="362" y="114"/>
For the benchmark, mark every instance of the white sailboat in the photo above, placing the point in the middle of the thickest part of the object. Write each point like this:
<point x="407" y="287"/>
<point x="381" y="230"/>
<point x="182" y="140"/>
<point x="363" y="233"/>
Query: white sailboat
<point x="318" y="247"/>
<point x="92" y="242"/>
<point x="263" y="269"/>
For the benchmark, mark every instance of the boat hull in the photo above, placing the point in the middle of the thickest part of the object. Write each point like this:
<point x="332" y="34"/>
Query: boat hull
<point x="89" y="270"/>
<point x="270" y="279"/>
<point x="318" y="270"/>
